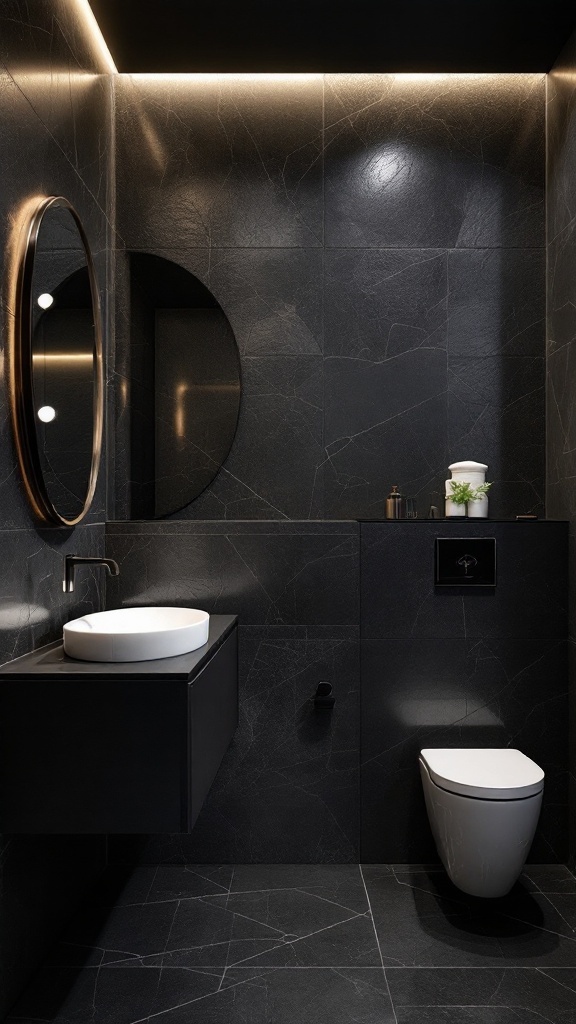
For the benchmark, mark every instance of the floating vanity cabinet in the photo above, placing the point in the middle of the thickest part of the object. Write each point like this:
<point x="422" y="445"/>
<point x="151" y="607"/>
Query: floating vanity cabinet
<point x="104" y="748"/>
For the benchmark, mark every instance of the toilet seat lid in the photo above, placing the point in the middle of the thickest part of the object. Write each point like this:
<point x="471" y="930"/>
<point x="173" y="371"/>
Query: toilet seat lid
<point x="490" y="774"/>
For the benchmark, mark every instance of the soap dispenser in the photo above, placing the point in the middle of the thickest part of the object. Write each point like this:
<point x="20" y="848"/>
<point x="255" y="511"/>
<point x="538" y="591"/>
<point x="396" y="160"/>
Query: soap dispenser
<point x="395" y="504"/>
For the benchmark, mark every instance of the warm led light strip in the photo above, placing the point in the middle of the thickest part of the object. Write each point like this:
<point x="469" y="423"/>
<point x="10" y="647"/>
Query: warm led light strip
<point x="175" y="76"/>
<point x="96" y="34"/>
<point x="61" y="357"/>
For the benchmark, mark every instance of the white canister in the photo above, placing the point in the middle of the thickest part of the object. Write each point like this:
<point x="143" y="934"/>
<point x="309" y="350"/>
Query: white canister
<point x="451" y="508"/>
<point x="473" y="473"/>
<point x="478" y="509"/>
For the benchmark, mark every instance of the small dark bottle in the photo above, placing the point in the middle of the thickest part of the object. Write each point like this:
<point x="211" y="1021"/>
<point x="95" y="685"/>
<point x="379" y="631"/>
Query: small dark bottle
<point x="395" y="505"/>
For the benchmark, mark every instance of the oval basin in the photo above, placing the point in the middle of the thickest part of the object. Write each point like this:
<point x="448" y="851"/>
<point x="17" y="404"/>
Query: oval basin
<point x="136" y="634"/>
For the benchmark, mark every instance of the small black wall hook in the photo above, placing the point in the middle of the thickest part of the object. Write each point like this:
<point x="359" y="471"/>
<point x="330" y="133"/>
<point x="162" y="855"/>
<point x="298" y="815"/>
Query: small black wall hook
<point x="323" y="699"/>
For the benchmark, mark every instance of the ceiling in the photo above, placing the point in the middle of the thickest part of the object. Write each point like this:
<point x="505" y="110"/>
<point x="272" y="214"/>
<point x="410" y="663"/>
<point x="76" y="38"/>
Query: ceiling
<point x="165" y="36"/>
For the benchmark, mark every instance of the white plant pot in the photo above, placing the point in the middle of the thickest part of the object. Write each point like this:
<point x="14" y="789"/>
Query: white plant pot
<point x="478" y="509"/>
<point x="452" y="509"/>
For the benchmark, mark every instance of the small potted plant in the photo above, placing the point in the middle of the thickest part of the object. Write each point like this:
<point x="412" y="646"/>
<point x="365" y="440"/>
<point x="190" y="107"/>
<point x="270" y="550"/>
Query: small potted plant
<point x="467" y="500"/>
<point x="478" y="505"/>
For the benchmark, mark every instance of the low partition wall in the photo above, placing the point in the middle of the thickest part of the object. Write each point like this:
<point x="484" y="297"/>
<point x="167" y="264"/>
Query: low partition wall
<point x="411" y="665"/>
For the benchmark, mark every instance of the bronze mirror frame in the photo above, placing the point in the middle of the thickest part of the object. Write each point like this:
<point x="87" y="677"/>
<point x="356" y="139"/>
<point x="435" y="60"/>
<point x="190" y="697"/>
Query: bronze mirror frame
<point x="21" y="372"/>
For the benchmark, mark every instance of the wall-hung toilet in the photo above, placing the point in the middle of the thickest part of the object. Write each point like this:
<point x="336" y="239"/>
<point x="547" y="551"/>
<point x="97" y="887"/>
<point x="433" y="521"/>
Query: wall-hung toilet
<point x="483" y="807"/>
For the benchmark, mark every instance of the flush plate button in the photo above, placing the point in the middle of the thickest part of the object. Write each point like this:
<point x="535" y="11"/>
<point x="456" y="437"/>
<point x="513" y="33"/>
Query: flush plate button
<point x="465" y="562"/>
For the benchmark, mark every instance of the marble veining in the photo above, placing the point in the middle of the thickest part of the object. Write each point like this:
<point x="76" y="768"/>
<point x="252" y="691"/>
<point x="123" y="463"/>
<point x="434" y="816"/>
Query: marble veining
<point x="55" y="111"/>
<point x="284" y="944"/>
<point x="377" y="242"/>
<point x="561" y="328"/>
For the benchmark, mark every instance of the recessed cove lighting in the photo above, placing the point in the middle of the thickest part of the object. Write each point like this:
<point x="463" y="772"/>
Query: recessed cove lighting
<point x="45" y="300"/>
<point x="46" y="413"/>
<point x="183" y="77"/>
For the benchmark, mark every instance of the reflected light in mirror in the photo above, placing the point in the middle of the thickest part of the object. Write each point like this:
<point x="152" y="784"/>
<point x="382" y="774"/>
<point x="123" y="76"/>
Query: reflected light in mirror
<point x="179" y="414"/>
<point x="46" y="413"/>
<point x="45" y="300"/>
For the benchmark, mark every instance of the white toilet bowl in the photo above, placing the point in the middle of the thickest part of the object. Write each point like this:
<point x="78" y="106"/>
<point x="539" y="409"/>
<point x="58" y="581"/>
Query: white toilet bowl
<point x="483" y="807"/>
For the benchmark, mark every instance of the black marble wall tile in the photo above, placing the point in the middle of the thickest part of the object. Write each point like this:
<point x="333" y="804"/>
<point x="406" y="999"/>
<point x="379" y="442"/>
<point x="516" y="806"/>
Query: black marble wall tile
<point x="33" y="607"/>
<point x="287" y="790"/>
<point x="431" y="191"/>
<point x="384" y="423"/>
<point x="55" y="114"/>
<point x="217" y="161"/>
<point x="399" y="599"/>
<point x="279" y="527"/>
<point x="497" y="300"/>
<point x="385" y="377"/>
<point x="561" y="374"/>
<point x="49" y="37"/>
<point x="272" y="297"/>
<point x="383" y="303"/>
<point x="561" y="328"/>
<point x="497" y="412"/>
<point x="561" y="142"/>
<point x="434" y="162"/>
<point x="76" y="109"/>
<point x="278" y="443"/>
<point x="304" y="574"/>
<point x="457" y="693"/>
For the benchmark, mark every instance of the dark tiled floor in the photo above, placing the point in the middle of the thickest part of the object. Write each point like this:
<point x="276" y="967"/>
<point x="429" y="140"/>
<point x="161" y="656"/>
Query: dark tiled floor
<point x="311" y="944"/>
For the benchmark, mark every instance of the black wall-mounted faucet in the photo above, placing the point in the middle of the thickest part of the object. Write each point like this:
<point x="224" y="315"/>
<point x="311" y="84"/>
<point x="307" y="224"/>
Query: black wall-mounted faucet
<point x="71" y="561"/>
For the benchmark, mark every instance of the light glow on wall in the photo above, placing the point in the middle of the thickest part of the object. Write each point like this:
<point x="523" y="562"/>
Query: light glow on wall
<point x="87" y="16"/>
<point x="62" y="357"/>
<point x="272" y="77"/>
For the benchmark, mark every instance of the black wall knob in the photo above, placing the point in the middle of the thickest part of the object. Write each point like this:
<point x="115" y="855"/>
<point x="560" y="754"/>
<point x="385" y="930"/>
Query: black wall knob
<point x="323" y="699"/>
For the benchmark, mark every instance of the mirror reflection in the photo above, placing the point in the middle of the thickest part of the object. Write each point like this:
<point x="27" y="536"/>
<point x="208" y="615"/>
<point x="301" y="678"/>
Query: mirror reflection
<point x="182" y="388"/>
<point x="58" y="364"/>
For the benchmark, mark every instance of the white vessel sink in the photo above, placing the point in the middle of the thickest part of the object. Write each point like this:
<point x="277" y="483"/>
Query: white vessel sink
<point x="136" y="634"/>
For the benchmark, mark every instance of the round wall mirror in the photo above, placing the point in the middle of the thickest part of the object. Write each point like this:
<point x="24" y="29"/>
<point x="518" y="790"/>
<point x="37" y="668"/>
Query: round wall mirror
<point x="57" y="386"/>
<point x="181" y="389"/>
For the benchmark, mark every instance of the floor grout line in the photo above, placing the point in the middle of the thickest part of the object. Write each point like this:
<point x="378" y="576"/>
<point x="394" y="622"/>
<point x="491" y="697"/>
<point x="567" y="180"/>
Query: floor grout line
<point x="205" y="968"/>
<point x="401" y="927"/>
<point x="377" y="942"/>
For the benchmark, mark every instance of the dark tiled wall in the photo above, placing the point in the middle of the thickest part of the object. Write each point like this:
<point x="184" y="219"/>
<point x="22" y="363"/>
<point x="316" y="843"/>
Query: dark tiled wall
<point x="377" y="243"/>
<point x="444" y="670"/>
<point x="288" y="787"/>
<point x="561" y="332"/>
<point x="56" y="119"/>
<point x="453" y="669"/>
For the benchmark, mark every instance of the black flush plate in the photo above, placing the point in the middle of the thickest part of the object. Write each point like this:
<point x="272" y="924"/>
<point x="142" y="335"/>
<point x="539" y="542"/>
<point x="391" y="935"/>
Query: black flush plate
<point x="465" y="562"/>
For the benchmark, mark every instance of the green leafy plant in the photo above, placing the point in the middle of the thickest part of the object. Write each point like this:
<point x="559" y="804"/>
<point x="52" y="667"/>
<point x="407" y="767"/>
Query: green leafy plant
<point x="463" y="492"/>
<point x="481" y="491"/>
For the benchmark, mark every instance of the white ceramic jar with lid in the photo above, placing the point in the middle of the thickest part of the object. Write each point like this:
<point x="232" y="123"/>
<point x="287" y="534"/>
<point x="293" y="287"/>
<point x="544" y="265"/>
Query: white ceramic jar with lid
<point x="473" y="473"/>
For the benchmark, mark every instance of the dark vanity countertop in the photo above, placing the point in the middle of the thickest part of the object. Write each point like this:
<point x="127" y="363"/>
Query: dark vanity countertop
<point x="51" y="662"/>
